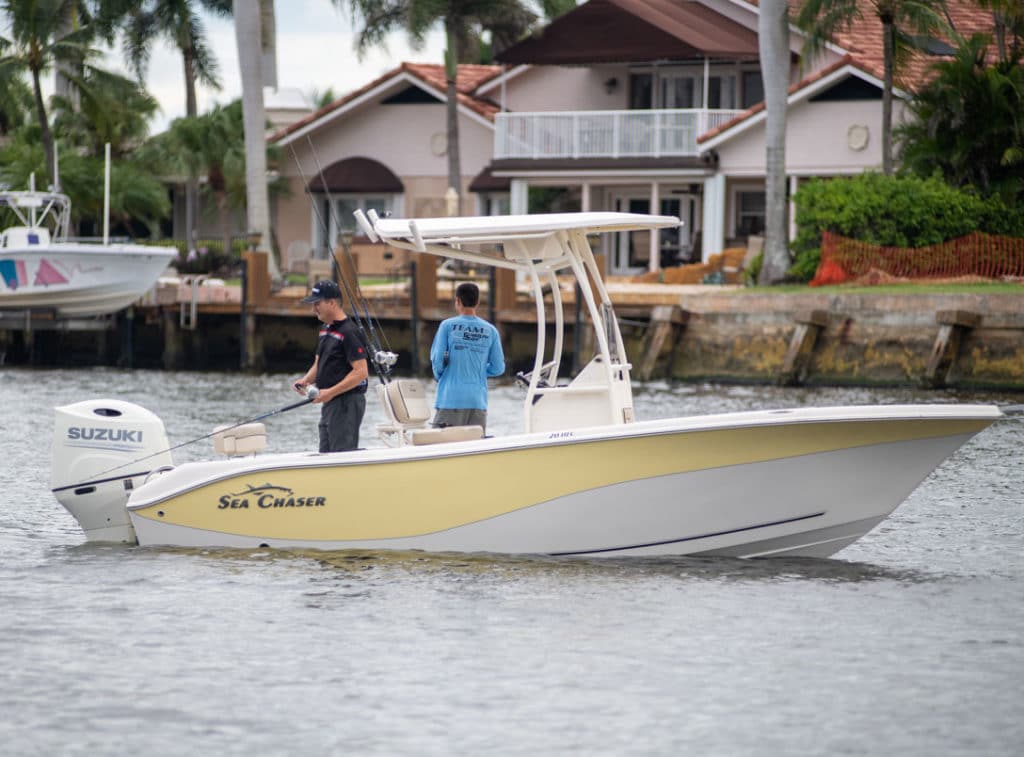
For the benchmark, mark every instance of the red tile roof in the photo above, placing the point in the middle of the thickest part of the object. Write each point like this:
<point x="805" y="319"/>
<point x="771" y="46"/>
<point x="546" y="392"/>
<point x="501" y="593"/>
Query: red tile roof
<point x="863" y="40"/>
<point x="432" y="74"/>
<point x="863" y="45"/>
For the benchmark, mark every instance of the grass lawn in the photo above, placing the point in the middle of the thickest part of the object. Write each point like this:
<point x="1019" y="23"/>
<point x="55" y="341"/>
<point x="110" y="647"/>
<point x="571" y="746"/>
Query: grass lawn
<point x="980" y="287"/>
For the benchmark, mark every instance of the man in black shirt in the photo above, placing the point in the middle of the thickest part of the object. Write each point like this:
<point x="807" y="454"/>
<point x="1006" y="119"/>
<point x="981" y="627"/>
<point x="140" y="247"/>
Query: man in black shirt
<point x="339" y="371"/>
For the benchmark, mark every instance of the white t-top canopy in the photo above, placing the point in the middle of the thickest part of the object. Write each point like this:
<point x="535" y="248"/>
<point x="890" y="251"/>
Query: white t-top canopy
<point x="501" y="228"/>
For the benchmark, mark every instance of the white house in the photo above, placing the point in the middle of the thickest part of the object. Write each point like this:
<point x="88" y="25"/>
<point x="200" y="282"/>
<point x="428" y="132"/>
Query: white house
<point x="638" y="105"/>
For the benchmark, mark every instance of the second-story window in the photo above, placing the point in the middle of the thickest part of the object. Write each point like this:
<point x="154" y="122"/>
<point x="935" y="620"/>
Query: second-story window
<point x="681" y="88"/>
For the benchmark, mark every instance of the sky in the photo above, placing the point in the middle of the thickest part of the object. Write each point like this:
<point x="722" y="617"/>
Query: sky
<point x="315" y="51"/>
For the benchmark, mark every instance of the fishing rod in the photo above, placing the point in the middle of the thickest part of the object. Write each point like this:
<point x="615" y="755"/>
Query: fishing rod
<point x="383" y="357"/>
<point x="311" y="394"/>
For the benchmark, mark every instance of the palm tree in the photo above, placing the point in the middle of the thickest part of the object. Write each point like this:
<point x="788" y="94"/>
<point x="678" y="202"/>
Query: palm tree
<point x="250" y="57"/>
<point x="16" y="104"/>
<point x="180" y="22"/>
<point x="463" y="22"/>
<point x="111" y="109"/>
<point x="1008" y="26"/>
<point x="773" y="47"/>
<point x="966" y="123"/>
<point x="38" y="44"/>
<point x="900" y="19"/>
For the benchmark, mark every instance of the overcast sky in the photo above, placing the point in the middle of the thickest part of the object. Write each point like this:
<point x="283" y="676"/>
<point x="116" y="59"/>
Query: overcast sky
<point x="314" y="51"/>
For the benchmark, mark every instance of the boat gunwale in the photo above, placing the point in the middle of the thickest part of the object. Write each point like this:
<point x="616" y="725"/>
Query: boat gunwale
<point x="257" y="464"/>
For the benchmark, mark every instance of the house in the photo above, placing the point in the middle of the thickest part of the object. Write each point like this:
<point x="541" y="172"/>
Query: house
<point x="632" y="105"/>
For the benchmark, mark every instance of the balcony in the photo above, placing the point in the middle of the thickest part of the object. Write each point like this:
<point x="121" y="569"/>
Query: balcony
<point x="604" y="133"/>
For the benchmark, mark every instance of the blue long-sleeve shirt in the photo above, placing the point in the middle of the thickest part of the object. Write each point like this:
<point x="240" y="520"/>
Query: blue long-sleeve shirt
<point x="465" y="353"/>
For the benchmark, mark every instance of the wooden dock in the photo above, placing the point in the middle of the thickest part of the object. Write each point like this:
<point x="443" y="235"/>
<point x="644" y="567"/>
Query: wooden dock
<point x="680" y="332"/>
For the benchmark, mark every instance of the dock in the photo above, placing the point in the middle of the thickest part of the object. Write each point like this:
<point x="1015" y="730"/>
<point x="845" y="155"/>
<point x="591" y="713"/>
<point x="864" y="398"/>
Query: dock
<point x="678" y="332"/>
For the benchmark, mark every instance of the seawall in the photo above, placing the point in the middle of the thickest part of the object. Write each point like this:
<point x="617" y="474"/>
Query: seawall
<point x="705" y="333"/>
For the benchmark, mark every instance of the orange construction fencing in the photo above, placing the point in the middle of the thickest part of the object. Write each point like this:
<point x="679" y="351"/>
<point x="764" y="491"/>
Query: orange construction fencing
<point x="977" y="254"/>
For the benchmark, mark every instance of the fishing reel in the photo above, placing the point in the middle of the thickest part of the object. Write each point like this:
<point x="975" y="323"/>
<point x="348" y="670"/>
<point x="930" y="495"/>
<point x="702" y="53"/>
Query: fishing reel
<point x="385" y="358"/>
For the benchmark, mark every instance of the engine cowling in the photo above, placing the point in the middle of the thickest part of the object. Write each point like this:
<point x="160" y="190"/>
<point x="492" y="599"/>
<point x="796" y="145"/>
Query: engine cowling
<point x="102" y="450"/>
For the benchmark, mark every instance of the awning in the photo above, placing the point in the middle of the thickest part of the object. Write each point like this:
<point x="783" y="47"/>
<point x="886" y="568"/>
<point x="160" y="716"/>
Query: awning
<point x="356" y="175"/>
<point x="636" y="31"/>
<point x="485" y="181"/>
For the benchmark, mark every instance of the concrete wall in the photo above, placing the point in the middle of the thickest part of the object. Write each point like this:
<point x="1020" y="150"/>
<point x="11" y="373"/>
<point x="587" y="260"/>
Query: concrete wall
<point x="817" y="140"/>
<point x="557" y="88"/>
<point x="870" y="339"/>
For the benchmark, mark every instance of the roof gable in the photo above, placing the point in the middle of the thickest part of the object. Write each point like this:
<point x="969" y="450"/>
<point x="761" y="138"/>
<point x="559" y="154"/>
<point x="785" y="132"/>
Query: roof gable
<point x="429" y="78"/>
<point x="631" y="31"/>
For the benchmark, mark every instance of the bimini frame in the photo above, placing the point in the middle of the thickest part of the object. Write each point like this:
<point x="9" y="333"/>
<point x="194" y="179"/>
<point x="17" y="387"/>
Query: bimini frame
<point x="539" y="247"/>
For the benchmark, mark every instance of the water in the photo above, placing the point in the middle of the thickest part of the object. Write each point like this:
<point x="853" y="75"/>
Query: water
<point x="909" y="642"/>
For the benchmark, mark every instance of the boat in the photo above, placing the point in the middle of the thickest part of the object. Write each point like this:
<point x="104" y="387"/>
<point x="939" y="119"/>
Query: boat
<point x="583" y="477"/>
<point x="43" y="268"/>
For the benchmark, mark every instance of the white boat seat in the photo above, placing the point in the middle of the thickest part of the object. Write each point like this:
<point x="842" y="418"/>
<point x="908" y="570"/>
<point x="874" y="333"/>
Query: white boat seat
<point x="247" y="439"/>
<point x="408" y="400"/>
<point x="447" y="434"/>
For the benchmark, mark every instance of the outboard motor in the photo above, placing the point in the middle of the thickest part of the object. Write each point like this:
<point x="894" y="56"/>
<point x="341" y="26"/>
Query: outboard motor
<point x="102" y="449"/>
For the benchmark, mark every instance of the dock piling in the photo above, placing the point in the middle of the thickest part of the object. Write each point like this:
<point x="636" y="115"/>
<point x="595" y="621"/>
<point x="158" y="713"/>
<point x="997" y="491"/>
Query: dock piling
<point x="798" y="357"/>
<point x="667" y="322"/>
<point x="953" y="326"/>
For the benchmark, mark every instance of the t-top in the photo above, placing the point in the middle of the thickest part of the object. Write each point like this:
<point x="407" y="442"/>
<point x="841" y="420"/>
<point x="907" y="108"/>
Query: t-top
<point x="466" y="351"/>
<point x="338" y="347"/>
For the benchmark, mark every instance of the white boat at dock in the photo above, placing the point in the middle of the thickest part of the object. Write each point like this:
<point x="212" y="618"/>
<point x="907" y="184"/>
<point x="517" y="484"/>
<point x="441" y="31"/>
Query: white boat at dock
<point x="584" y="477"/>
<point x="42" y="268"/>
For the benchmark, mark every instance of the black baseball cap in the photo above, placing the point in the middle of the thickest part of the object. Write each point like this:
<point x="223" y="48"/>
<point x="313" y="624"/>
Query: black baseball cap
<point x="323" y="290"/>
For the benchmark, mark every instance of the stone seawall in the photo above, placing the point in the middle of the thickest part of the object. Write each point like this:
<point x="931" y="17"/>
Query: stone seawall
<point x="707" y="334"/>
<point x="861" y="338"/>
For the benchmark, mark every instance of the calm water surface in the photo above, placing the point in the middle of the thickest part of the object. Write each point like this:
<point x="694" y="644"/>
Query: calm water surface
<point x="910" y="642"/>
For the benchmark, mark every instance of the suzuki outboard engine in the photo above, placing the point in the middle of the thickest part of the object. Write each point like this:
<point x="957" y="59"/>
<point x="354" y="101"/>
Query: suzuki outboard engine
<point x="102" y="449"/>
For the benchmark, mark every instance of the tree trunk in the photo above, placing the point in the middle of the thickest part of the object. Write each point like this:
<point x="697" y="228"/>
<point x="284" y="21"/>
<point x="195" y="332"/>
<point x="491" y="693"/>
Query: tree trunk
<point x="451" y="69"/>
<point x="192" y="181"/>
<point x="268" y="43"/>
<point x="64" y="71"/>
<point x="773" y="45"/>
<point x="888" y="31"/>
<point x="250" y="51"/>
<point x="44" y="127"/>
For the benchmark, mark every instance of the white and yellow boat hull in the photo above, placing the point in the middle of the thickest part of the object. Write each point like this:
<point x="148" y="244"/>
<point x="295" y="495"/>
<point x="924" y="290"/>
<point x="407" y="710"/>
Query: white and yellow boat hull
<point x="797" y="482"/>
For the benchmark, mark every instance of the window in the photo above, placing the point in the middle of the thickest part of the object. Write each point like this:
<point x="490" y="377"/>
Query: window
<point x="495" y="203"/>
<point x="334" y="214"/>
<point x="753" y="88"/>
<point x="722" y="92"/>
<point x="641" y="91"/>
<point x="680" y="92"/>
<point x="749" y="213"/>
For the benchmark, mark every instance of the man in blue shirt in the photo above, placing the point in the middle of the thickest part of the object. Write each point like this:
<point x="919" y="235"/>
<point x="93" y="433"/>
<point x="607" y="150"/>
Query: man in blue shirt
<point x="465" y="353"/>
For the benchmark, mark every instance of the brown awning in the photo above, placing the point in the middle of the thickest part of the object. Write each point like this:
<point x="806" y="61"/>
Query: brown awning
<point x="636" y="31"/>
<point x="485" y="181"/>
<point x="356" y="175"/>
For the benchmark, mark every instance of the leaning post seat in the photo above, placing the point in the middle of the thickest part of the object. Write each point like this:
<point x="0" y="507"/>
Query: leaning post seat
<point x="405" y="407"/>
<point x="447" y="434"/>
<point x="247" y="439"/>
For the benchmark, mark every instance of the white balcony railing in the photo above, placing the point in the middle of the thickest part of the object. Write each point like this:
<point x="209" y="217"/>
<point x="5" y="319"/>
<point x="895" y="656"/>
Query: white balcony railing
<point x="604" y="133"/>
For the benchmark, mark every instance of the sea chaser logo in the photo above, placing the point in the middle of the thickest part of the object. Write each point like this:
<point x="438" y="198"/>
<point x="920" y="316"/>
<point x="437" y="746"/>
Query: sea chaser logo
<point x="267" y="496"/>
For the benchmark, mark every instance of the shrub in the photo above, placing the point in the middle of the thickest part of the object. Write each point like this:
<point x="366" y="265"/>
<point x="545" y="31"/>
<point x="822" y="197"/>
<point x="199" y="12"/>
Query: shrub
<point x="901" y="211"/>
<point x="208" y="257"/>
